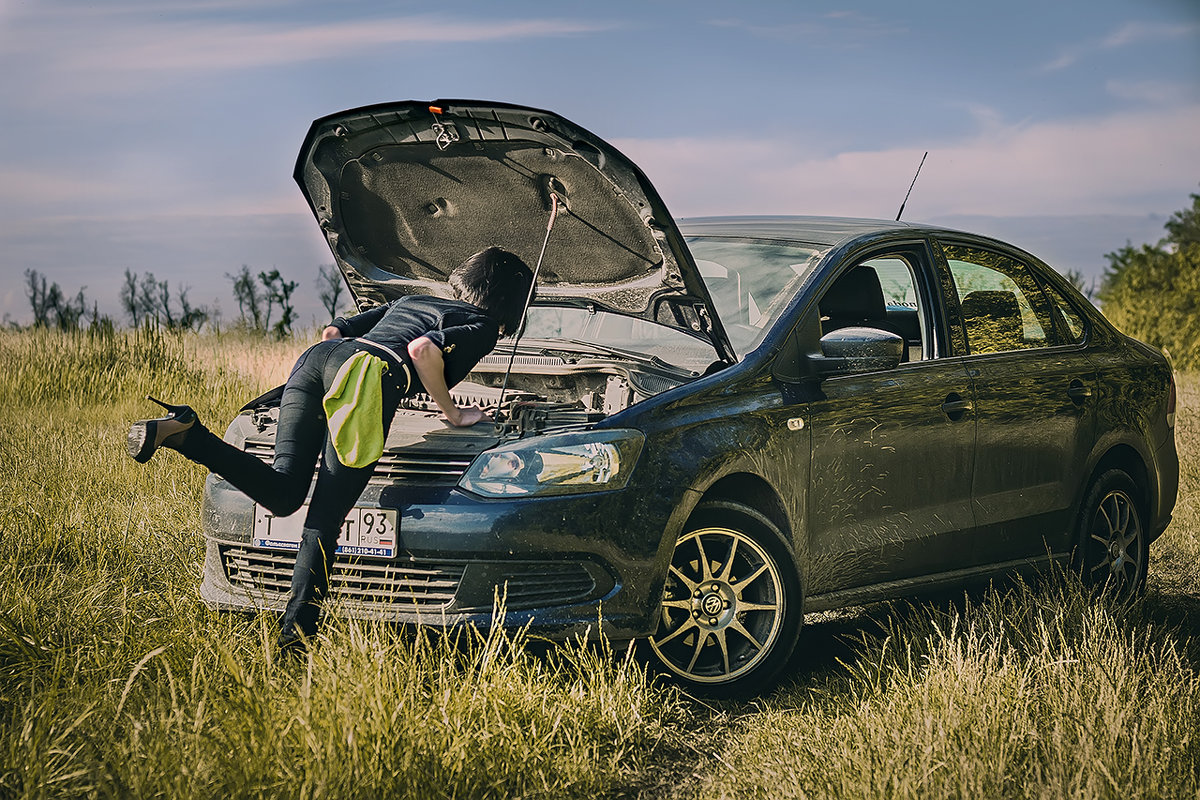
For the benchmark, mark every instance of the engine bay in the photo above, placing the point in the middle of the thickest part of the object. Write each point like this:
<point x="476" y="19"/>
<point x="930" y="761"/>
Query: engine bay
<point x="544" y="391"/>
<point x="549" y="391"/>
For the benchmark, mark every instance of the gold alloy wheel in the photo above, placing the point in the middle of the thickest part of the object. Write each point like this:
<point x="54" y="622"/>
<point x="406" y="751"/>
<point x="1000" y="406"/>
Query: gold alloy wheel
<point x="723" y="606"/>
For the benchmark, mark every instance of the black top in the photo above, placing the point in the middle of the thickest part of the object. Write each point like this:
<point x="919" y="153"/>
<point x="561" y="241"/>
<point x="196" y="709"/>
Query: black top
<point x="464" y="332"/>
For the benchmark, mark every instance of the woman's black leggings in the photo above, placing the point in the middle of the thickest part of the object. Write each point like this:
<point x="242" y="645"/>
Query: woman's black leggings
<point x="300" y="438"/>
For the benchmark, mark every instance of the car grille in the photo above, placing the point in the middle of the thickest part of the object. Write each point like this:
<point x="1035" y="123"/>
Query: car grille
<point x="394" y="467"/>
<point x="525" y="585"/>
<point x="412" y="584"/>
<point x="268" y="574"/>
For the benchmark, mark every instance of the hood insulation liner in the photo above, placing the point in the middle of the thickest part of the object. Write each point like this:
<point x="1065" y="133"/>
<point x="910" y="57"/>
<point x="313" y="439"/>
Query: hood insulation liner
<point x="418" y="213"/>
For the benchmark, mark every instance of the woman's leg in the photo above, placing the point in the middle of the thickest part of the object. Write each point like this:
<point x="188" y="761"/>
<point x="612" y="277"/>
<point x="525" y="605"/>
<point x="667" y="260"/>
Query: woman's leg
<point x="282" y="487"/>
<point x="337" y="491"/>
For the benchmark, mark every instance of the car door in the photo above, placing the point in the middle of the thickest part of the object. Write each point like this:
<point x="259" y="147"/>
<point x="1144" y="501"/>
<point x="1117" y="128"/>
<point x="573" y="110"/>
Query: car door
<point x="892" y="451"/>
<point x="1034" y="392"/>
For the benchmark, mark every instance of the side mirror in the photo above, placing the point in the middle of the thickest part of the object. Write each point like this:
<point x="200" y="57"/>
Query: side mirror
<point x="851" y="350"/>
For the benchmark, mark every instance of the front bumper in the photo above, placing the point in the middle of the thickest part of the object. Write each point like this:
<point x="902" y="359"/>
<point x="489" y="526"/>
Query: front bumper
<point x="560" y="566"/>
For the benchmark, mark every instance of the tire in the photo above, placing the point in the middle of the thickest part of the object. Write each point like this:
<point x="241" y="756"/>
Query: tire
<point x="731" y="608"/>
<point x="1112" y="550"/>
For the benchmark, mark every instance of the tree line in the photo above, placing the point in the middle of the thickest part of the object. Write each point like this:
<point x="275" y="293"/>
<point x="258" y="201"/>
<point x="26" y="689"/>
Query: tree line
<point x="1152" y="292"/>
<point x="264" y="302"/>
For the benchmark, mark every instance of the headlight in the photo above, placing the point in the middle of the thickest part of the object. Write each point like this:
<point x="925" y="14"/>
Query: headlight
<point x="568" y="463"/>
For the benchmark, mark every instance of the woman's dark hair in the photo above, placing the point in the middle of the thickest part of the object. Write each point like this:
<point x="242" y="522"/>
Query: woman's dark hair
<point x="498" y="282"/>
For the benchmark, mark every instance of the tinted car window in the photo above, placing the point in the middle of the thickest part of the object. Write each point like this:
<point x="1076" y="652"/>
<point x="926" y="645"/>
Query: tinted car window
<point x="879" y="293"/>
<point x="1071" y="321"/>
<point x="1002" y="306"/>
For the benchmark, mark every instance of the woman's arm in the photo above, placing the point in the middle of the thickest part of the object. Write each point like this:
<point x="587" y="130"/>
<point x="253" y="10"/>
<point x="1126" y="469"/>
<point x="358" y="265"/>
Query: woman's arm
<point x="358" y="325"/>
<point x="427" y="360"/>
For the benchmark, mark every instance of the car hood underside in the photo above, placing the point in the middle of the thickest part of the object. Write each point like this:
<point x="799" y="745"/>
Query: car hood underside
<point x="407" y="191"/>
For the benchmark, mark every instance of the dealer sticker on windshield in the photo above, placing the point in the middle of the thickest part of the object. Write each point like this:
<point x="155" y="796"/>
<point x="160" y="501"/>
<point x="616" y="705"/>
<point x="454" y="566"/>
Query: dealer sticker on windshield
<point x="366" y="531"/>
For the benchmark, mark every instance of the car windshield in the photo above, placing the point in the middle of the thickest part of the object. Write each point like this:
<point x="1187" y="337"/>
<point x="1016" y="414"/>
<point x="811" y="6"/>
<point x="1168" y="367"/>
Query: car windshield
<point x="751" y="281"/>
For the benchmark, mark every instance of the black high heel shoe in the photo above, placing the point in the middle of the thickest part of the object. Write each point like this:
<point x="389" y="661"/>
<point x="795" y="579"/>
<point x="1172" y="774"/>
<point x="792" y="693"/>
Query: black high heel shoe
<point x="147" y="435"/>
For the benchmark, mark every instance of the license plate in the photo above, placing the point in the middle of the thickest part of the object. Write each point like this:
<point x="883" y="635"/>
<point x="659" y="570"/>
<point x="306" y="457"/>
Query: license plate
<point x="366" y="531"/>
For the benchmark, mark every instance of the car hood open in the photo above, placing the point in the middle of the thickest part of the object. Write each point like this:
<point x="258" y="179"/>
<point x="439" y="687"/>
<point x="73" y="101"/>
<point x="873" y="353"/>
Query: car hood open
<point x="406" y="191"/>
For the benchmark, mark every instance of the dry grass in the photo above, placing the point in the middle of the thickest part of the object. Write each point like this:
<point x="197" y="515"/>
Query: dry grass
<point x="115" y="682"/>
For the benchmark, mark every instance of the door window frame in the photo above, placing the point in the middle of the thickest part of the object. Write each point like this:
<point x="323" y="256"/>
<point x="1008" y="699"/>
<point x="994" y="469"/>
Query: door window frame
<point x="918" y="255"/>
<point x="1035" y="293"/>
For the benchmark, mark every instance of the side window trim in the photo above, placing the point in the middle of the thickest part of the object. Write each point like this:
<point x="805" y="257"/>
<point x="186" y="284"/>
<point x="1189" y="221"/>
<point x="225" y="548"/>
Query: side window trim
<point x="1051" y="291"/>
<point x="952" y="319"/>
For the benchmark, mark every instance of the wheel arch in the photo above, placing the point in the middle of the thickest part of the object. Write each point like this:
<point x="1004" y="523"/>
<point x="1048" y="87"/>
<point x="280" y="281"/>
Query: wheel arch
<point x="1125" y="457"/>
<point x="738" y="485"/>
<point x="752" y="490"/>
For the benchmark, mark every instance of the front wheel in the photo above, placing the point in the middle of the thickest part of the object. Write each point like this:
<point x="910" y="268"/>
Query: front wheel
<point x="731" y="607"/>
<point x="1112" y="550"/>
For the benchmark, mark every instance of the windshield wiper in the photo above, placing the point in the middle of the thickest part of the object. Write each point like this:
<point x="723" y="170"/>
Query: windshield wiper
<point x="629" y="355"/>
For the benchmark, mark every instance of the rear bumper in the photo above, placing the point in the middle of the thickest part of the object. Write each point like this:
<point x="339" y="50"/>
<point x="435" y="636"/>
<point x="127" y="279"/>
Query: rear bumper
<point x="1166" y="462"/>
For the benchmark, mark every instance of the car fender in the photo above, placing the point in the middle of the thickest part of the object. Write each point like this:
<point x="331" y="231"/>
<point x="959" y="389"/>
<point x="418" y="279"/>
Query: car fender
<point x="1112" y="442"/>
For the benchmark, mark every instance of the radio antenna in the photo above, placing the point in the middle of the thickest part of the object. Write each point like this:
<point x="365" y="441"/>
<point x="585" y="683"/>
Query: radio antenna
<point x="910" y="187"/>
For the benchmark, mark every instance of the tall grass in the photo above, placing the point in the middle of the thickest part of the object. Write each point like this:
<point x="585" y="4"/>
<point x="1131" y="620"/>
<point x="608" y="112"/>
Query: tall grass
<point x="1026" y="693"/>
<point x="116" y="682"/>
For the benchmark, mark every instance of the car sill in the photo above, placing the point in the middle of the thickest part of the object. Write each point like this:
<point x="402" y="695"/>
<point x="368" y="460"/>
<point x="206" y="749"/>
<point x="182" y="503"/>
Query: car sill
<point x="942" y="580"/>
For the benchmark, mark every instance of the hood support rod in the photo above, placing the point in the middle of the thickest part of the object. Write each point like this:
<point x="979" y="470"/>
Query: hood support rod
<point x="528" y="300"/>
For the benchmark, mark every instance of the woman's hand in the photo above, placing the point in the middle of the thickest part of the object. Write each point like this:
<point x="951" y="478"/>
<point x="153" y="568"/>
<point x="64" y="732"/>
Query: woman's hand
<point x="467" y="417"/>
<point x="331" y="332"/>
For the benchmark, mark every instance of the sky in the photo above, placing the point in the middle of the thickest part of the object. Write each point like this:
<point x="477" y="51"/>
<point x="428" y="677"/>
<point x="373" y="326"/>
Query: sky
<point x="160" y="135"/>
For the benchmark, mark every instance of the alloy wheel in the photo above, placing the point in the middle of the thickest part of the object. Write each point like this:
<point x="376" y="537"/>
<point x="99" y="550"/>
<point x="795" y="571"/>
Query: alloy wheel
<point x="723" y="606"/>
<point x="1116" y="545"/>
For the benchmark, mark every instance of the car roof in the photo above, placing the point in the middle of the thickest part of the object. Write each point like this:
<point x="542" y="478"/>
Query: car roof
<point x="814" y="230"/>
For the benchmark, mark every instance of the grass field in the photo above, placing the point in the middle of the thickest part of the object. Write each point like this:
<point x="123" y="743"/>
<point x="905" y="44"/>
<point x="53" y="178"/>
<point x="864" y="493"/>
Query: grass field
<point x="116" y="682"/>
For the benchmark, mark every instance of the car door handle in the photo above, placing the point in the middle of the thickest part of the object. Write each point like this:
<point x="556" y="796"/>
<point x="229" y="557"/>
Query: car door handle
<point x="955" y="406"/>
<point x="1078" y="392"/>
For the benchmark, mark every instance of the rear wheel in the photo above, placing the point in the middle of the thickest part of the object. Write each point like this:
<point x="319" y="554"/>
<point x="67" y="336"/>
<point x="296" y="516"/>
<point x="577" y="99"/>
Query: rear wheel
<point x="1112" y="550"/>
<point x="731" y="607"/>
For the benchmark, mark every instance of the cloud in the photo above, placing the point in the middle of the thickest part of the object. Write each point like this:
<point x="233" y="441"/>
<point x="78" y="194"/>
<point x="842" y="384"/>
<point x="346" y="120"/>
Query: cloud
<point x="25" y="188"/>
<point x="1121" y="164"/>
<point x="63" y="201"/>
<point x="1161" y="93"/>
<point x="835" y="28"/>
<point x="1141" y="32"/>
<point x="1131" y="163"/>
<point x="1129" y="34"/>
<point x="112" y="43"/>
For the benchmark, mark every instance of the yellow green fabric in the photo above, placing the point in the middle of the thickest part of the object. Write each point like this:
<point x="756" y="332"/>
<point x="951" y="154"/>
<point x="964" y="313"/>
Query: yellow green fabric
<point x="354" y="410"/>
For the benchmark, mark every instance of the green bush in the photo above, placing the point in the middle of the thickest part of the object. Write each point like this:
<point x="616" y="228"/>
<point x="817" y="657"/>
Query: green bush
<point x="1152" y="292"/>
